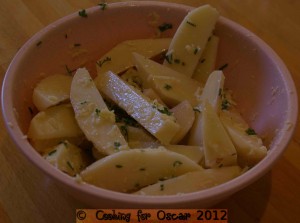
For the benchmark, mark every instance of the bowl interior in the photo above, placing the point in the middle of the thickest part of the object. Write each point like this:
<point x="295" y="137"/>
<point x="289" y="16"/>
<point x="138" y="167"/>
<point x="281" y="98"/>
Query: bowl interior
<point x="260" y="83"/>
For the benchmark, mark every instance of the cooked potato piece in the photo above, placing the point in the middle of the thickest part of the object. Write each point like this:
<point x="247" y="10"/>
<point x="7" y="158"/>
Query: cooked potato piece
<point x="195" y="153"/>
<point x="119" y="58"/>
<point x="138" y="137"/>
<point x="171" y="86"/>
<point x="132" y="77"/>
<point x="192" y="181"/>
<point x="207" y="61"/>
<point x="52" y="125"/>
<point x="68" y="158"/>
<point x="51" y="91"/>
<point x="129" y="170"/>
<point x="249" y="147"/>
<point x="93" y="116"/>
<point x="218" y="148"/>
<point x="190" y="39"/>
<point x="185" y="117"/>
<point x="211" y="93"/>
<point x="153" y="117"/>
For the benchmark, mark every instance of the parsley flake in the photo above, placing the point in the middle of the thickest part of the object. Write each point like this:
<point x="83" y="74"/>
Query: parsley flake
<point x="191" y="24"/>
<point x="167" y="87"/>
<point x="82" y="13"/>
<point x="103" y="5"/>
<point x="223" y="66"/>
<point x="101" y="62"/>
<point x="51" y="152"/>
<point x="165" y="26"/>
<point x="250" y="131"/>
<point x="119" y="166"/>
<point x="177" y="163"/>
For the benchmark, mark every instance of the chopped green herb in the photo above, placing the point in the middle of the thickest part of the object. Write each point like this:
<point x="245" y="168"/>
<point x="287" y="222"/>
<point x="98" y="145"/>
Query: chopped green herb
<point x="70" y="165"/>
<point x="165" y="110"/>
<point x="167" y="87"/>
<point x="196" y="50"/>
<point x="169" y="58"/>
<point x="190" y="23"/>
<point x="177" y="163"/>
<point x="124" y="131"/>
<point x="203" y="60"/>
<point x="84" y="102"/>
<point x="97" y="111"/>
<point x="165" y="26"/>
<point x="101" y="62"/>
<point x="220" y="92"/>
<point x="162" y="187"/>
<point x="64" y="143"/>
<point x="77" y="44"/>
<point x="223" y="66"/>
<point x="69" y="71"/>
<point x="82" y="13"/>
<point x="225" y="104"/>
<point x="39" y="43"/>
<point x="142" y="169"/>
<point x="52" y="152"/>
<point x="196" y="110"/>
<point x="250" y="131"/>
<point x="103" y="5"/>
<point x="66" y="36"/>
<point x="117" y="145"/>
<point x="119" y="166"/>
<point x="177" y="61"/>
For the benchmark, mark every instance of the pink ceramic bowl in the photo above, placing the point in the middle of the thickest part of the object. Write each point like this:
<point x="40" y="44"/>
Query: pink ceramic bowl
<point x="261" y="83"/>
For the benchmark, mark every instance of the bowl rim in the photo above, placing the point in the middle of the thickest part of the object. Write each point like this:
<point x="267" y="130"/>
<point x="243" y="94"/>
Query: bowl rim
<point x="227" y="188"/>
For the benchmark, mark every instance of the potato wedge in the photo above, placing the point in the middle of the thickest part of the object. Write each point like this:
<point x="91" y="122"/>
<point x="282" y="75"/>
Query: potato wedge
<point x="51" y="91"/>
<point x="207" y="62"/>
<point x="192" y="181"/>
<point x="93" y="116"/>
<point x="52" y="125"/>
<point x="119" y="58"/>
<point x="171" y="86"/>
<point x="190" y="39"/>
<point x="68" y="158"/>
<point x="218" y="148"/>
<point x="153" y="117"/>
<point x="249" y="147"/>
<point x="129" y="170"/>
<point x="211" y="93"/>
<point x="185" y="117"/>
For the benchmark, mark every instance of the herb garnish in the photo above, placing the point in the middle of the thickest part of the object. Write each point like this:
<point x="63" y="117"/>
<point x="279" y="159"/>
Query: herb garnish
<point x="225" y="104"/>
<point x="203" y="60"/>
<point x="250" y="131"/>
<point x="142" y="169"/>
<point x="223" y="66"/>
<point x="177" y="163"/>
<point x="124" y="131"/>
<point x="117" y="145"/>
<point x="103" y="5"/>
<point x="165" y="110"/>
<point x="69" y="71"/>
<point x="39" y="43"/>
<point x="97" y="110"/>
<point x="196" y="110"/>
<point x="70" y="165"/>
<point x="190" y="23"/>
<point x="52" y="152"/>
<point x="119" y="166"/>
<point x="165" y="26"/>
<point x="101" y="62"/>
<point x="162" y="187"/>
<point x="64" y="143"/>
<point x="167" y="87"/>
<point x="169" y="58"/>
<point x="77" y="44"/>
<point x="82" y="13"/>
